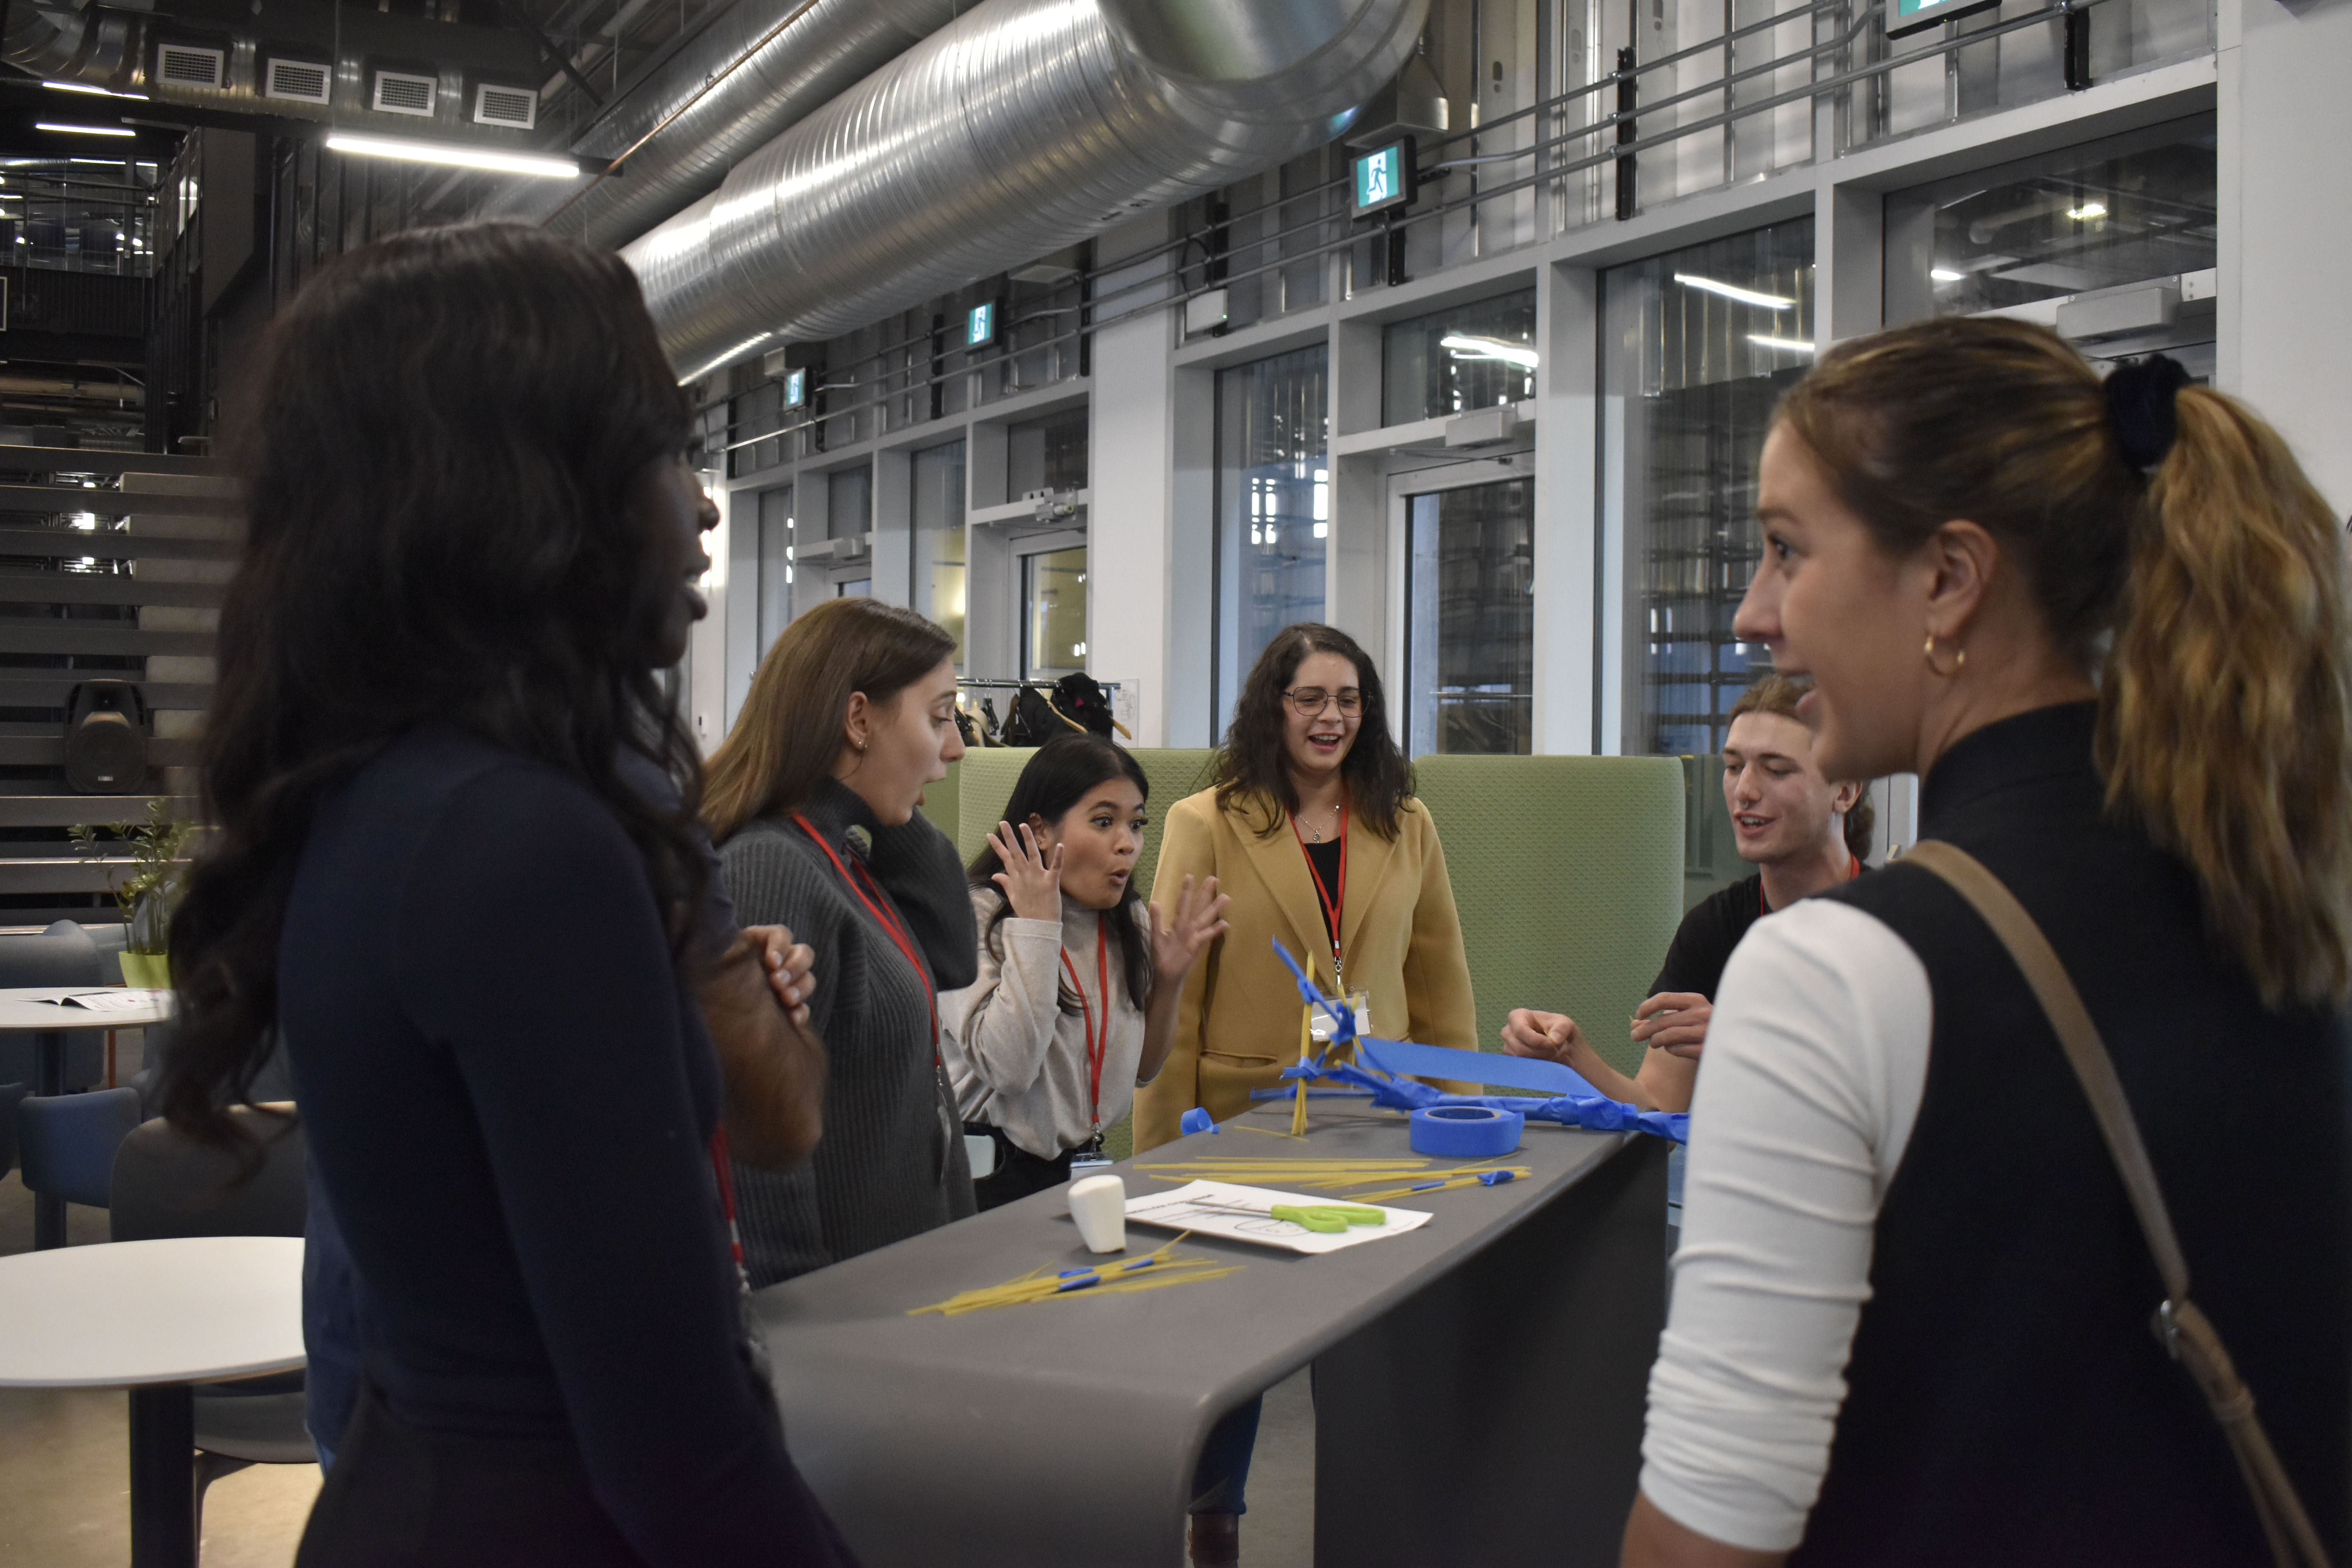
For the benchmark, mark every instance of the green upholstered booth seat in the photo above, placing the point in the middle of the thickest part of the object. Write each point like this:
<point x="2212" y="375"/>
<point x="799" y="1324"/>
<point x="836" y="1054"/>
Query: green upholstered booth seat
<point x="1569" y="875"/>
<point x="939" y="800"/>
<point x="984" y="782"/>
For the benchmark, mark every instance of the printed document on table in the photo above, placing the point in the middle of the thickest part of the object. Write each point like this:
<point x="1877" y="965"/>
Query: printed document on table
<point x="1242" y="1214"/>
<point x="118" y="1001"/>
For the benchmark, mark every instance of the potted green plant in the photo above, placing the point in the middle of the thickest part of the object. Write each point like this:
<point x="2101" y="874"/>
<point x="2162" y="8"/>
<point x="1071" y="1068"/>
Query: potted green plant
<point x="149" y="895"/>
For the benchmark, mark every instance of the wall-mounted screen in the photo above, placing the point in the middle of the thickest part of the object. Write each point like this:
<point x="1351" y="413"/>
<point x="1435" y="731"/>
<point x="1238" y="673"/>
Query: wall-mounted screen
<point x="980" y="327"/>
<point x="1385" y="176"/>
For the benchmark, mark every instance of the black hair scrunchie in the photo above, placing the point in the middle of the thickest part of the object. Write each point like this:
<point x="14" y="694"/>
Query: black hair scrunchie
<point x="2140" y="408"/>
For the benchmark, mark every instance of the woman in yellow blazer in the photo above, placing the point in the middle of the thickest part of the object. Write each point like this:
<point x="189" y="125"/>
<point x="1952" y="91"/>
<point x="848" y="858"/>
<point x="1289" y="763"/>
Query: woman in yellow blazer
<point x="1312" y="811"/>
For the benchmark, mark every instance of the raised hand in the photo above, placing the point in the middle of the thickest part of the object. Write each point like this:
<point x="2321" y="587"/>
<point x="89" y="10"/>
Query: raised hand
<point x="1674" y="1022"/>
<point x="1200" y="921"/>
<point x="1032" y="879"/>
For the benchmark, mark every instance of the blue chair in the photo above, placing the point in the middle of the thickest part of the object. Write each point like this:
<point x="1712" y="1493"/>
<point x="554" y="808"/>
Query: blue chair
<point x="165" y="1185"/>
<point x="66" y="1144"/>
<point x="63" y="955"/>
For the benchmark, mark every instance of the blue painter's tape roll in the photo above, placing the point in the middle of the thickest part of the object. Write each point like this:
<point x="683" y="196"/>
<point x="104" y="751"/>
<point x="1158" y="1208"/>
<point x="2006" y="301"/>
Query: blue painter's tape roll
<point x="1466" y="1131"/>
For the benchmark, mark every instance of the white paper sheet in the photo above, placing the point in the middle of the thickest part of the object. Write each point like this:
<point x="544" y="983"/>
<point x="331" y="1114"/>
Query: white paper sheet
<point x="1208" y="1208"/>
<point x="118" y="1001"/>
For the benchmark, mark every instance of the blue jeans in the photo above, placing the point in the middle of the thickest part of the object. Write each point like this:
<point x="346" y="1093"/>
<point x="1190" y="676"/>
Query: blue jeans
<point x="1221" y="1477"/>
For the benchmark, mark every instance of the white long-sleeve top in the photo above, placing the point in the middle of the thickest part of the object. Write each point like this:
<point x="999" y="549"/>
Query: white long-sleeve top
<point x="1015" y="1059"/>
<point x="1816" y="1059"/>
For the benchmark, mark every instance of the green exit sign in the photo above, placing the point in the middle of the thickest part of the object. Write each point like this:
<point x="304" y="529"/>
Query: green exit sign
<point x="1384" y="177"/>
<point x="980" y="327"/>
<point x="1905" y="17"/>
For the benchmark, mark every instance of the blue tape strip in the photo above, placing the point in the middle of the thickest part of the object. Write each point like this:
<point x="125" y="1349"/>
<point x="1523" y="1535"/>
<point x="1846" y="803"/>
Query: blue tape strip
<point x="1473" y="1067"/>
<point x="1466" y="1131"/>
<point x="1592" y="1112"/>
<point x="1196" y="1119"/>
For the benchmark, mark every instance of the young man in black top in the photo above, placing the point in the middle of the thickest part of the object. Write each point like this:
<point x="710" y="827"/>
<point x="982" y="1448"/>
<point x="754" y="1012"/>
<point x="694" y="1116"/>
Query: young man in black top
<point x="1802" y="833"/>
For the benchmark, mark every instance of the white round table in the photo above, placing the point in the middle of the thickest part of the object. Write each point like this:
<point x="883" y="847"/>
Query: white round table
<point x="153" y="1316"/>
<point x="40" y="1011"/>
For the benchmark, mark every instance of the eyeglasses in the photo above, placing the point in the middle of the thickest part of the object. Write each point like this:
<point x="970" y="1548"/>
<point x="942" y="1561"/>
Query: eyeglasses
<point x="1311" y="700"/>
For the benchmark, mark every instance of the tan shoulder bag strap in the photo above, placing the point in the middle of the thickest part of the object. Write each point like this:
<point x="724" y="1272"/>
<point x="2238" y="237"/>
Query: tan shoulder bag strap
<point x="2185" y="1331"/>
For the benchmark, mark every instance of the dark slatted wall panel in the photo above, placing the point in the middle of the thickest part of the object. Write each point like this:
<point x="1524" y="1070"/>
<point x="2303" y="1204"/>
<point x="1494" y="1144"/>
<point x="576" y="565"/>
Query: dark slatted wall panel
<point x="112" y="566"/>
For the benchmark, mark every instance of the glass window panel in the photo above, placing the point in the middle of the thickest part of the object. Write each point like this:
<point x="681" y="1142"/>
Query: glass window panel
<point x="1458" y="359"/>
<point x="1470" y="625"/>
<point x="1696" y="348"/>
<point x="1053" y="614"/>
<point x="849" y="503"/>
<point x="773" y="518"/>
<point x="1048" y="454"/>
<point x="938" y="559"/>
<point x="1274" y="508"/>
<point x="855" y="588"/>
<point x="2126" y="210"/>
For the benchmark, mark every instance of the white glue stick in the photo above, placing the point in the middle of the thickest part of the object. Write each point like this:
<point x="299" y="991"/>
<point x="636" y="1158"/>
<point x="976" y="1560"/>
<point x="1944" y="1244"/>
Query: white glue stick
<point x="1099" y="1205"/>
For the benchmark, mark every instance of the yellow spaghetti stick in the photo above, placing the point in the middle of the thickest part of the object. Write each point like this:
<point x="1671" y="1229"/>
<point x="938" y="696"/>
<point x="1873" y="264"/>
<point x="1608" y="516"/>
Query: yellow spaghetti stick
<point x="1306" y="1054"/>
<point x="1269" y="1131"/>
<point x="1154" y="1270"/>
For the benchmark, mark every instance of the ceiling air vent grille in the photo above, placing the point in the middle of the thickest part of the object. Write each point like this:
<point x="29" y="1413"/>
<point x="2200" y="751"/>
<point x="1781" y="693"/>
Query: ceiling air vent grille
<point x="397" y="92"/>
<point x="512" y="106"/>
<point x="181" y="65"/>
<point x="299" y="80"/>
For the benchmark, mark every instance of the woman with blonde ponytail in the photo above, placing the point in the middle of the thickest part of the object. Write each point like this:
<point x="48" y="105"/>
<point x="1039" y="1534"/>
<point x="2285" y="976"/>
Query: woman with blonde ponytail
<point x="2106" y="624"/>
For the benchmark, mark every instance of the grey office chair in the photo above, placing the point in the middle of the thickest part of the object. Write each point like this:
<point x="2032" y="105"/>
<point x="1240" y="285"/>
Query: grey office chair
<point x="165" y="1185"/>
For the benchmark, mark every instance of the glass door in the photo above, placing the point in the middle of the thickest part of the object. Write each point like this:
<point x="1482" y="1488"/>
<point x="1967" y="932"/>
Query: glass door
<point x="1052" y="617"/>
<point x="1470" y="619"/>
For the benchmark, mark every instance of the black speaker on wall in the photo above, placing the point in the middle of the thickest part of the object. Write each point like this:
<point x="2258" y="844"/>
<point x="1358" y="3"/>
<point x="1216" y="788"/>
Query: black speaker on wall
<point x="106" y="738"/>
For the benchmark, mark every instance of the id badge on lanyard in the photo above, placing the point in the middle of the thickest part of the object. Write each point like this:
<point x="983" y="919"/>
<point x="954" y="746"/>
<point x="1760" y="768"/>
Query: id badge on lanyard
<point x="1088" y="1159"/>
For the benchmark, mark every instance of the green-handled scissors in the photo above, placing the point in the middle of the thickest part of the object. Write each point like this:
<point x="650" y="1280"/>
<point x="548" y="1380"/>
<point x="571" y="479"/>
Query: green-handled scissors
<point x="1330" y="1219"/>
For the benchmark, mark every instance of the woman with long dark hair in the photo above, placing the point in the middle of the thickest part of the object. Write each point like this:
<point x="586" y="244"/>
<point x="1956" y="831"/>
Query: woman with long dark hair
<point x="2106" y="624"/>
<point x="1075" y="1000"/>
<point x="1313" y="830"/>
<point x="456" y="869"/>
<point x="814" y="803"/>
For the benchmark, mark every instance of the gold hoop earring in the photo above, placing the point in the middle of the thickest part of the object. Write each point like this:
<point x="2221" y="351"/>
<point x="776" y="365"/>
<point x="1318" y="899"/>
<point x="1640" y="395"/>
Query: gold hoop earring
<point x="1960" y="659"/>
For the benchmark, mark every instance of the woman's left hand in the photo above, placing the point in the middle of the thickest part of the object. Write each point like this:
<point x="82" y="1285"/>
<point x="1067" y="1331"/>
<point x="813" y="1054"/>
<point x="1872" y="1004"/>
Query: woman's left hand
<point x="1200" y="921"/>
<point x="786" y="964"/>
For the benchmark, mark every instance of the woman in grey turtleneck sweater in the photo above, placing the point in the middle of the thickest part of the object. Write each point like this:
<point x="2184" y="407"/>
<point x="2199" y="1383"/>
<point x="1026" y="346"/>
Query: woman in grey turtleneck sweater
<point x="813" y="802"/>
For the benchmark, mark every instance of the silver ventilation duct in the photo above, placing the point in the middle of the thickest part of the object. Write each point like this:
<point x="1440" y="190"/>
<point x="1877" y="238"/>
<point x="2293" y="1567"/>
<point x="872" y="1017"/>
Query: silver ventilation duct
<point x="817" y="55"/>
<point x="1024" y="127"/>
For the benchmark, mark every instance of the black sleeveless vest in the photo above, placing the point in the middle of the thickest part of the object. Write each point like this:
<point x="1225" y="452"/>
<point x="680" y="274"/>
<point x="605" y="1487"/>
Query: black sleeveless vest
<point x="2006" y="1402"/>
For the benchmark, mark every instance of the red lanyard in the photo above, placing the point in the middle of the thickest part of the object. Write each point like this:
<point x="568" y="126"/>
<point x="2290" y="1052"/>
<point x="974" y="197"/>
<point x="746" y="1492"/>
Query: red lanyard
<point x="889" y="924"/>
<point x="727" y="1201"/>
<point x="1097" y="1042"/>
<point x="1332" y="902"/>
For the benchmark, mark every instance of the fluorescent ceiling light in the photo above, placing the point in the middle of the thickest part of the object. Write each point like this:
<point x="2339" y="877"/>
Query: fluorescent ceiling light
<point x="86" y="130"/>
<point x="2088" y="210"/>
<point x="1491" y="348"/>
<point x="1733" y="291"/>
<point x="1946" y="275"/>
<point x="459" y="157"/>
<point x="1794" y="345"/>
<point x="85" y="86"/>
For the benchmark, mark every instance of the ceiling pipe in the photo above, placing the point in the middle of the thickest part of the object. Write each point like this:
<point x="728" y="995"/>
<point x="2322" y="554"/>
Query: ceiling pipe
<point x="751" y="73"/>
<point x="1025" y="126"/>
